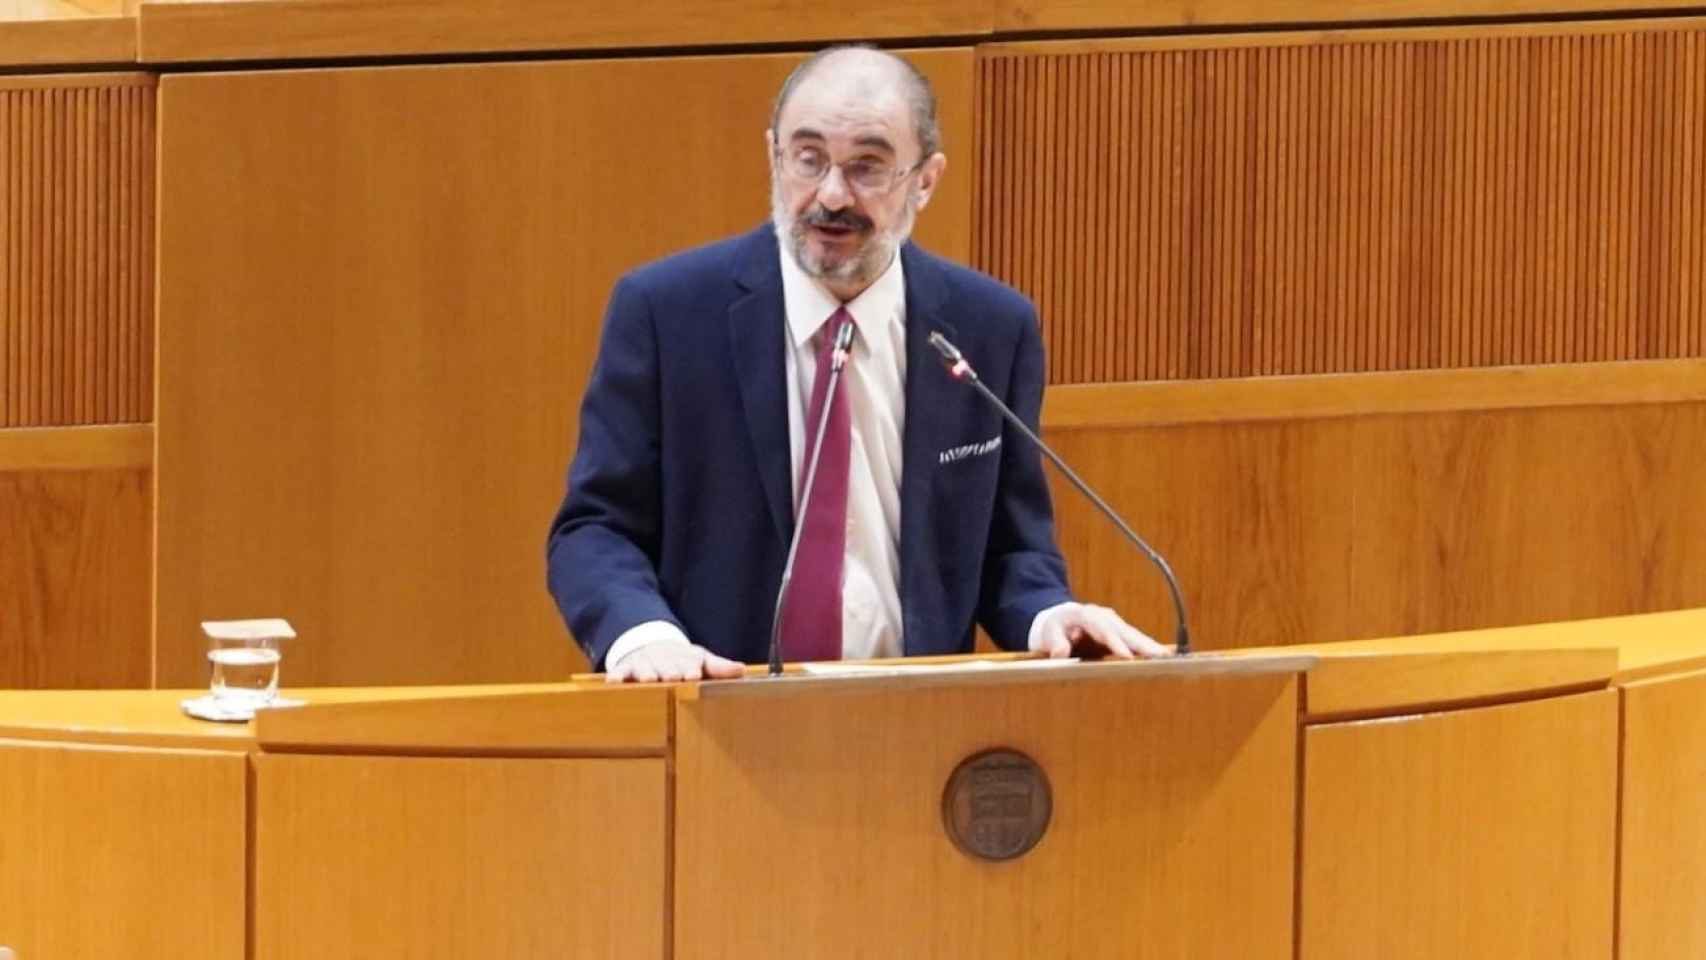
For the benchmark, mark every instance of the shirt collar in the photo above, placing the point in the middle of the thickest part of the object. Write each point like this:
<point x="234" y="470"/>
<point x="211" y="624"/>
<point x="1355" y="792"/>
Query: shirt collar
<point x="808" y="305"/>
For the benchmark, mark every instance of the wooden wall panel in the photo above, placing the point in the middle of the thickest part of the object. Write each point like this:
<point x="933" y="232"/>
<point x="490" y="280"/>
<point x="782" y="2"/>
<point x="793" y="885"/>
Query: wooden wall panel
<point x="118" y="852"/>
<point x="1477" y="520"/>
<point x="457" y="857"/>
<point x="75" y="601"/>
<point x="67" y="41"/>
<point x="1663" y="830"/>
<point x="205" y="30"/>
<point x="1257" y="520"/>
<point x="1327" y="203"/>
<point x="1338" y="528"/>
<point x="215" y="30"/>
<point x="1135" y="403"/>
<point x="380" y="295"/>
<point x="1027" y="15"/>
<point x="1477" y="833"/>
<point x="76" y="249"/>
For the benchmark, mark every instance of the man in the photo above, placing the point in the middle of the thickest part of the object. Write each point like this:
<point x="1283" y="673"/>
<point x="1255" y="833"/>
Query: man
<point x="926" y="513"/>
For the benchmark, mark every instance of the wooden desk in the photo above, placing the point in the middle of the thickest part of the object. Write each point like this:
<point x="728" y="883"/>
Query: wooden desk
<point x="54" y="34"/>
<point x="1663" y="824"/>
<point x="121" y="824"/>
<point x="1475" y="813"/>
<point x="130" y="830"/>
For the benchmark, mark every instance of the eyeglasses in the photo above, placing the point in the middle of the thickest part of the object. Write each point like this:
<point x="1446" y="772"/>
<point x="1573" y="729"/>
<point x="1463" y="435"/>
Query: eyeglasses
<point x="867" y="175"/>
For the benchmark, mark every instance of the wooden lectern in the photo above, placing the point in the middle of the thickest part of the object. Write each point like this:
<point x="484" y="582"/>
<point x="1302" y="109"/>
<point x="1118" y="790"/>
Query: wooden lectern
<point x="798" y="817"/>
<point x="1518" y="792"/>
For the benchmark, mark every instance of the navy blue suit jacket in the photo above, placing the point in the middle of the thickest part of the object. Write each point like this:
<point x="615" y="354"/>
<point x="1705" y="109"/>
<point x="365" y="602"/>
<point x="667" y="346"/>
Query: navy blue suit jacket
<point x="679" y="505"/>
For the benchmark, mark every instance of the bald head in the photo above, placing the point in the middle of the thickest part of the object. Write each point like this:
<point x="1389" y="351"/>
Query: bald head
<point x="874" y="74"/>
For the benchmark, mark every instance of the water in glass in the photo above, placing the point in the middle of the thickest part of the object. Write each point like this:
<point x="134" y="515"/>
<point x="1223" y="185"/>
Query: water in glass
<point x="245" y="675"/>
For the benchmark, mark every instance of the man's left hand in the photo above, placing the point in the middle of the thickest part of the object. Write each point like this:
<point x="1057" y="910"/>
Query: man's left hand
<point x="1077" y="625"/>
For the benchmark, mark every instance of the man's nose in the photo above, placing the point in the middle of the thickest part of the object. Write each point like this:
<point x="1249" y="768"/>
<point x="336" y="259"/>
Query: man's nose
<point x="834" y="193"/>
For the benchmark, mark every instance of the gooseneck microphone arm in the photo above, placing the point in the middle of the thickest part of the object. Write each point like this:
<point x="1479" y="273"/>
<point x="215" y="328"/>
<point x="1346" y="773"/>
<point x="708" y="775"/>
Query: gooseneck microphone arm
<point x="837" y="361"/>
<point x="961" y="370"/>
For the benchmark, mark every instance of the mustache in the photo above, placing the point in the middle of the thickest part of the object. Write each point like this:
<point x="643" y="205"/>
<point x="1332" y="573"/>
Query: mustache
<point x="824" y="217"/>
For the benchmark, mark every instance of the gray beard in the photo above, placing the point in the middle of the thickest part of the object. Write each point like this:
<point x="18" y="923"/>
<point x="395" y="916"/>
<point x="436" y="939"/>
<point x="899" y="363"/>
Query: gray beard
<point x="864" y="267"/>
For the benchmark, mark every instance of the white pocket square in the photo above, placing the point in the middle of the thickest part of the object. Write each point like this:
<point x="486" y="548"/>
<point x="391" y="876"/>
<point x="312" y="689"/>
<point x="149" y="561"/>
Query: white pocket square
<point x="968" y="450"/>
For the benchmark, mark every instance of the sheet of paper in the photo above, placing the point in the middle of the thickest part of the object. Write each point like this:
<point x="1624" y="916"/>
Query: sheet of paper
<point x="916" y="669"/>
<point x="248" y="629"/>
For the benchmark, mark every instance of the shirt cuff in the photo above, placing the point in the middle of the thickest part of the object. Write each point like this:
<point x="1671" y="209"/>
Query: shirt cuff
<point x="645" y="634"/>
<point x="1035" y="638"/>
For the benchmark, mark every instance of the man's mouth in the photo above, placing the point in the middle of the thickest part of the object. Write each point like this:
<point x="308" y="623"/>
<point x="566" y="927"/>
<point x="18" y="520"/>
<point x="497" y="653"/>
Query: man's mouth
<point x="836" y="226"/>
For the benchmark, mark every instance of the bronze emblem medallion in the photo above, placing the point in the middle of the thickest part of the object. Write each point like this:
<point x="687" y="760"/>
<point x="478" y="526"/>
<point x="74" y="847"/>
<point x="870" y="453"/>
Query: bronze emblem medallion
<point x="997" y="805"/>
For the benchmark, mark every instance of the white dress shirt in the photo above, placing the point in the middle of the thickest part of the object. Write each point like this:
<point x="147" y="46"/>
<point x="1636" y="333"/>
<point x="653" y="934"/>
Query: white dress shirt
<point x="874" y="382"/>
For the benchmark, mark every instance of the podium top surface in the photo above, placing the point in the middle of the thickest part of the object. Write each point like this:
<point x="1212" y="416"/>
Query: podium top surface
<point x="1647" y="645"/>
<point x="152" y="718"/>
<point x="980" y="671"/>
<point x="64" y="35"/>
<point x="1347" y="680"/>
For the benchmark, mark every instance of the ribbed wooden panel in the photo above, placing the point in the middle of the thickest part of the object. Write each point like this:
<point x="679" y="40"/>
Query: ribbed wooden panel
<point x="76" y="250"/>
<point x="1310" y="207"/>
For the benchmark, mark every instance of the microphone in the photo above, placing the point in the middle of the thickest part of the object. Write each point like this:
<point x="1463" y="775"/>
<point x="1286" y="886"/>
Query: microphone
<point x="960" y="369"/>
<point x="837" y="360"/>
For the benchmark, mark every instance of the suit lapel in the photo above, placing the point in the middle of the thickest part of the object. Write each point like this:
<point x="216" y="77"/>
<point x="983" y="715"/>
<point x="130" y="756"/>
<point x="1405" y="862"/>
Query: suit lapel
<point x="929" y="419"/>
<point x="757" y="337"/>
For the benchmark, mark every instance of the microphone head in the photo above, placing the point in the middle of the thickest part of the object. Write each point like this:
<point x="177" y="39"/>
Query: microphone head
<point x="958" y="368"/>
<point x="948" y="351"/>
<point x="843" y="347"/>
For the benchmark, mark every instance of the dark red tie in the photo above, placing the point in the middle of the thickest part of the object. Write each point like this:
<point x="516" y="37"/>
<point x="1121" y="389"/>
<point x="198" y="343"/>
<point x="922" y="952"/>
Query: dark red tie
<point x="811" y="616"/>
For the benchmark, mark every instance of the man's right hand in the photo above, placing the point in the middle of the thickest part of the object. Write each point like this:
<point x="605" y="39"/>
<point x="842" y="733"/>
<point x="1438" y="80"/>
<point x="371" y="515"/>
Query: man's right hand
<point x="664" y="661"/>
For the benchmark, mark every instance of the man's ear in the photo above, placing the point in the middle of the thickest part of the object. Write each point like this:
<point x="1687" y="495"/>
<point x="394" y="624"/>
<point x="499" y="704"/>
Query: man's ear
<point x="929" y="175"/>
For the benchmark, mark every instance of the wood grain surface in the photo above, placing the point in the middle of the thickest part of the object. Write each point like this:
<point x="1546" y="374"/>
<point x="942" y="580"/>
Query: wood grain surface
<point x="153" y="717"/>
<point x="18" y="10"/>
<point x="67" y="41"/>
<point x="1343" y="528"/>
<point x="211" y="30"/>
<point x="75" y="578"/>
<point x="113" y="852"/>
<point x="1520" y="517"/>
<point x="118" y="447"/>
<point x="831" y="805"/>
<point x="77" y="251"/>
<point x="1099" y="406"/>
<point x="571" y="720"/>
<point x="1475" y="833"/>
<point x="1400" y="680"/>
<point x="270" y="29"/>
<point x="384" y="298"/>
<point x="1308" y="204"/>
<point x="118" y="718"/>
<point x="1663" y="830"/>
<point x="438" y="857"/>
<point x="1258" y="521"/>
<point x="1025" y="15"/>
<point x="1647" y="645"/>
<point x="1656" y="644"/>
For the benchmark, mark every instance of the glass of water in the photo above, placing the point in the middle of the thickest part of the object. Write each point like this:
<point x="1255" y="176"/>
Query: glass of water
<point x="244" y="655"/>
